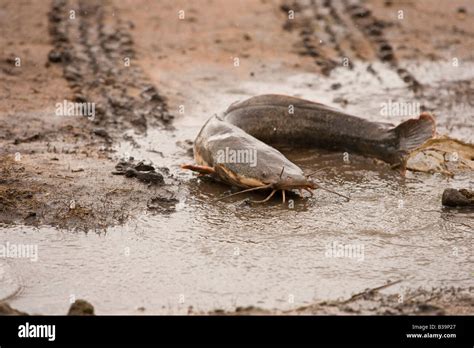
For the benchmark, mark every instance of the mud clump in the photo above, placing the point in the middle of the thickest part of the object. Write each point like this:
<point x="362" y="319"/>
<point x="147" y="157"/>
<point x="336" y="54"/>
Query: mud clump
<point x="458" y="198"/>
<point x="142" y="171"/>
<point x="150" y="177"/>
<point x="6" y="309"/>
<point x="81" y="307"/>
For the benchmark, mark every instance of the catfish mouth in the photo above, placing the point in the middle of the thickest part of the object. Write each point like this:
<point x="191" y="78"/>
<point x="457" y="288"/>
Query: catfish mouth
<point x="294" y="182"/>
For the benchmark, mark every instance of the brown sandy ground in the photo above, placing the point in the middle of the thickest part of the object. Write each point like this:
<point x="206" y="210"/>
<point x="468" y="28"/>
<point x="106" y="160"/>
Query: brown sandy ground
<point x="57" y="170"/>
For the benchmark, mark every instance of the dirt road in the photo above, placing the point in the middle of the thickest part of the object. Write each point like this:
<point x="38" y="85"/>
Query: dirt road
<point x="155" y="70"/>
<point x="143" y="63"/>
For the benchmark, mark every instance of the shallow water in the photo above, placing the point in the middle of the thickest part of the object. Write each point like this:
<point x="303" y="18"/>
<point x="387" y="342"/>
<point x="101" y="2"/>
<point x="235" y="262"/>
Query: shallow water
<point x="224" y="254"/>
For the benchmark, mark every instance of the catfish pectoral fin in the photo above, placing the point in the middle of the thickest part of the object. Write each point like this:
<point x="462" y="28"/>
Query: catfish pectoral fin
<point x="200" y="169"/>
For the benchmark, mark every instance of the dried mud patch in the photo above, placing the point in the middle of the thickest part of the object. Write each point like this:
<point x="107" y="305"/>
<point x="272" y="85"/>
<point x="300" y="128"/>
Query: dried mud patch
<point x="88" y="199"/>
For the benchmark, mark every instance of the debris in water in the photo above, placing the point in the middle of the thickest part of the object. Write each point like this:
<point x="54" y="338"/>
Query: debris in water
<point x="442" y="155"/>
<point x="144" y="172"/>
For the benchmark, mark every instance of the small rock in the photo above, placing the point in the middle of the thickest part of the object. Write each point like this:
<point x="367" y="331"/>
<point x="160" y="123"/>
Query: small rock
<point x="142" y="171"/>
<point x="131" y="172"/>
<point x="81" y="307"/>
<point x="151" y="178"/>
<point x="5" y="309"/>
<point x="101" y="132"/>
<point x="142" y="167"/>
<point x="457" y="198"/>
<point x="54" y="56"/>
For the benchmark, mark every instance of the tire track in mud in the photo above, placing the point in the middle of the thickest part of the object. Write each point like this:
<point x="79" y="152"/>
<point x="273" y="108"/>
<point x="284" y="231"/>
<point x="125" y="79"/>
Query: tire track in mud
<point x="365" y="21"/>
<point x="346" y="30"/>
<point x="96" y="51"/>
<point x="315" y="32"/>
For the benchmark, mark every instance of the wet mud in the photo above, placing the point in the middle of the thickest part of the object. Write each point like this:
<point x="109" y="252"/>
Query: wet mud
<point x="99" y="62"/>
<point x="56" y="170"/>
<point x="163" y="243"/>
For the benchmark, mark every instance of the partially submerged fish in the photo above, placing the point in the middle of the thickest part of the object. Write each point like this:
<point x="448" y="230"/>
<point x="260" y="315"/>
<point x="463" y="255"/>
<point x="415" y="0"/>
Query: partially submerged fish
<point x="259" y="123"/>
<point x="272" y="170"/>
<point x="281" y="120"/>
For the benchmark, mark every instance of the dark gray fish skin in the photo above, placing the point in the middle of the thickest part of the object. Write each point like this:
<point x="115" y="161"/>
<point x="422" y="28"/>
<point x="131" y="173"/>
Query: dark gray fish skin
<point x="268" y="118"/>
<point x="261" y="122"/>
<point x="217" y="135"/>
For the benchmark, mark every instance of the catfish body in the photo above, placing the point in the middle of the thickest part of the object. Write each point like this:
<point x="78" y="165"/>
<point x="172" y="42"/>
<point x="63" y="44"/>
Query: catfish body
<point x="251" y="162"/>
<point x="288" y="121"/>
<point x="259" y="125"/>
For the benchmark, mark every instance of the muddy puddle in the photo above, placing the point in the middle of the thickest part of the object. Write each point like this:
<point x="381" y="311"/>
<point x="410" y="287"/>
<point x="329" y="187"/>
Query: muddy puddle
<point x="212" y="255"/>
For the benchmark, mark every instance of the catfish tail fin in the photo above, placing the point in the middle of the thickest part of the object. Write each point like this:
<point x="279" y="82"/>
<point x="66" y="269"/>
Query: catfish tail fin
<point x="412" y="134"/>
<point x="415" y="132"/>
